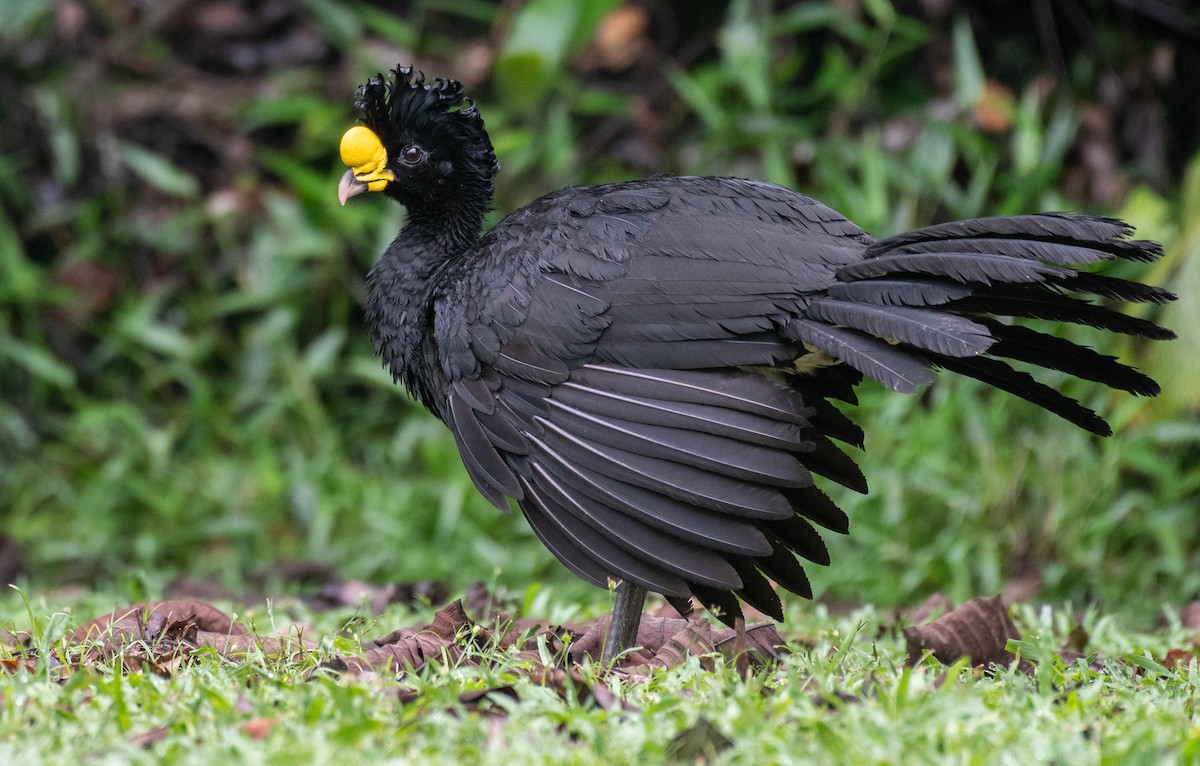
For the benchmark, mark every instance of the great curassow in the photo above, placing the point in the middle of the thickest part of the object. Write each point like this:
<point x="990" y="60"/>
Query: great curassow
<point x="646" y="367"/>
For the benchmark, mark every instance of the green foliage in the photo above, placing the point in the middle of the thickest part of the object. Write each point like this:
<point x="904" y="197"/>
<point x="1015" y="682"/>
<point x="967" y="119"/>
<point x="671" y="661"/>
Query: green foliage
<point x="1178" y="225"/>
<point x="540" y="37"/>
<point x="844" y="696"/>
<point x="895" y="174"/>
<point x="186" y="383"/>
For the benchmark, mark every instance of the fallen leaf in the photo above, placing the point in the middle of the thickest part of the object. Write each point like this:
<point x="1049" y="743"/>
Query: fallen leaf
<point x="935" y="606"/>
<point x="653" y="633"/>
<point x="763" y="642"/>
<point x="494" y="701"/>
<point x="978" y="630"/>
<point x="16" y="666"/>
<point x="407" y="648"/>
<point x="203" y="616"/>
<point x="260" y="728"/>
<point x="1179" y="659"/>
<point x="621" y="36"/>
<point x="668" y="641"/>
<point x="228" y="645"/>
<point x="695" y="638"/>
<point x="995" y="109"/>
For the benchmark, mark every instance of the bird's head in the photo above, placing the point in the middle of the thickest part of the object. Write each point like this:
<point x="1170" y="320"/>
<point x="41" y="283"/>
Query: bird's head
<point x="421" y="143"/>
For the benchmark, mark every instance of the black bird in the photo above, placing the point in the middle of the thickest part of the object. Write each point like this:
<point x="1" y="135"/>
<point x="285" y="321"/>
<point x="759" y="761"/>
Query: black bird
<point x="646" y="367"/>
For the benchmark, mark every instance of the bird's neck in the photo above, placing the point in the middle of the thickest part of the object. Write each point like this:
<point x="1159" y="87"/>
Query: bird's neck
<point x="398" y="288"/>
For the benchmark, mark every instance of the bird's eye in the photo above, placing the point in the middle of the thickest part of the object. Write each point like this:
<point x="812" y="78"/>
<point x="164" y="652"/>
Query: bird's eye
<point x="412" y="155"/>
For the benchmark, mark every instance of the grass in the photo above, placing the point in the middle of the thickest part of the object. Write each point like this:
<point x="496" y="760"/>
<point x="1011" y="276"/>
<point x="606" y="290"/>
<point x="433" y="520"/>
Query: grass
<point x="844" y="696"/>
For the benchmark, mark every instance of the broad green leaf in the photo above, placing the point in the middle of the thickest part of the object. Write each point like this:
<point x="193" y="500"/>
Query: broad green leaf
<point x="158" y="171"/>
<point x="968" y="69"/>
<point x="38" y="362"/>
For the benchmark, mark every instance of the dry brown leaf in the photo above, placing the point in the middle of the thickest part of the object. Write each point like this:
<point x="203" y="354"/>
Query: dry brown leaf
<point x="1179" y="659"/>
<point x="978" y="630"/>
<point x="407" y="648"/>
<point x="995" y="109"/>
<point x="231" y="645"/>
<point x="621" y="36"/>
<point x="260" y="728"/>
<point x="17" y="665"/>
<point x="160" y="636"/>
<point x="160" y="613"/>
<point x="668" y="641"/>
<point x="653" y="633"/>
<point x="489" y="701"/>
<point x="764" y="637"/>
<point x="696" y="638"/>
<point x="145" y="637"/>
<point x="935" y="606"/>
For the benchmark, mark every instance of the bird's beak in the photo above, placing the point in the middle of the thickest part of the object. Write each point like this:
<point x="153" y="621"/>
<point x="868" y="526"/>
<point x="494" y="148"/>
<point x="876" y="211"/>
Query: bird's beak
<point x="350" y="186"/>
<point x="363" y="151"/>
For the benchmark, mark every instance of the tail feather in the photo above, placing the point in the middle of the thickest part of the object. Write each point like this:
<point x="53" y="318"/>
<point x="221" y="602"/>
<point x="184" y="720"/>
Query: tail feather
<point x="941" y="332"/>
<point x="756" y="590"/>
<point x="1039" y="303"/>
<point x="1067" y="228"/>
<point x="1060" y="252"/>
<point x="783" y="567"/>
<point x="899" y="292"/>
<point x="815" y="505"/>
<point x="967" y="268"/>
<point x="1111" y="287"/>
<point x="999" y="375"/>
<point x="1053" y="353"/>
<point x="891" y="366"/>
<point x="934" y="295"/>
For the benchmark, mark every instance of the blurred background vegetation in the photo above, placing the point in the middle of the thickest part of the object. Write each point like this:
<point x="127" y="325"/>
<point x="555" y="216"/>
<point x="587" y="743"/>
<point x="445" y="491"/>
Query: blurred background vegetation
<point x="186" y="385"/>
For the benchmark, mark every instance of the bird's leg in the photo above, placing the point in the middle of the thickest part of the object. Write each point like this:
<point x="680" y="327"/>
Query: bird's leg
<point x="624" y="622"/>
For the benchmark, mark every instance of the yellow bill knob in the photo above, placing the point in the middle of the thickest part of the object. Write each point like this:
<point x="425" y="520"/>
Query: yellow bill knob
<point x="363" y="151"/>
<point x="361" y="148"/>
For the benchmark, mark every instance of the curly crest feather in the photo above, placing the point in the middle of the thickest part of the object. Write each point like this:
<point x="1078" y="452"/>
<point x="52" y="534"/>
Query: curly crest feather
<point x="407" y="106"/>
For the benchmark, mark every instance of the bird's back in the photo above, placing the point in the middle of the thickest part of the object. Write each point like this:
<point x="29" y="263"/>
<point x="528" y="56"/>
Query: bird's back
<point x="656" y="272"/>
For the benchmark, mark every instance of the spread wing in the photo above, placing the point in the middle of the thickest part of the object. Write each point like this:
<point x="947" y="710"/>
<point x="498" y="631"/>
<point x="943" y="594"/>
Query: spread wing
<point x="608" y="386"/>
<point x="629" y="378"/>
